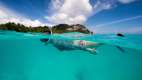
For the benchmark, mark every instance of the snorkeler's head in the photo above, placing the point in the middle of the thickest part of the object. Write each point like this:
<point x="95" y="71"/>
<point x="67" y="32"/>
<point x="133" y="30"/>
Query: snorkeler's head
<point x="44" y="40"/>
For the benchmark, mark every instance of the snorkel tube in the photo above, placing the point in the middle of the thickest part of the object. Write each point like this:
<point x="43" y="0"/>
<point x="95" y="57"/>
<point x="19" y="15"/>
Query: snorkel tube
<point x="46" y="40"/>
<point x="50" y="29"/>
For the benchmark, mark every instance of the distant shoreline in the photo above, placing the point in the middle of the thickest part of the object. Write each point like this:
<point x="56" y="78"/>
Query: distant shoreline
<point x="60" y="28"/>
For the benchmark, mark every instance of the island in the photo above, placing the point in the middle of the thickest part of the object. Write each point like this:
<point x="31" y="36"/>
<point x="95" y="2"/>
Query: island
<point x="60" y="28"/>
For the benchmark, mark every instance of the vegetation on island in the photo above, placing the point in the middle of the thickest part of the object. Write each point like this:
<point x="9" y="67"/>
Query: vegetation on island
<point x="61" y="28"/>
<point x="22" y="28"/>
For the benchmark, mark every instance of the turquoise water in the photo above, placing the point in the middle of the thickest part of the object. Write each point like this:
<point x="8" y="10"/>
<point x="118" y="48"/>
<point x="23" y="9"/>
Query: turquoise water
<point x="24" y="57"/>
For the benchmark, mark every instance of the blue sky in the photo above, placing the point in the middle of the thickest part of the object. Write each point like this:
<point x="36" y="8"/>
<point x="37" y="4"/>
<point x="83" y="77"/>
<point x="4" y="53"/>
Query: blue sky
<point x="101" y="16"/>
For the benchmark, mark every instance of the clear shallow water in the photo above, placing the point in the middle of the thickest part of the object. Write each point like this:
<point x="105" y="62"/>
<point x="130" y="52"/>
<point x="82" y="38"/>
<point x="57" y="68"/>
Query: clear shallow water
<point x="24" y="57"/>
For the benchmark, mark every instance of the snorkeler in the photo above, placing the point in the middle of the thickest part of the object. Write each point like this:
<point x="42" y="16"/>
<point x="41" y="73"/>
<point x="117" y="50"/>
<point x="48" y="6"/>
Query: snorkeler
<point x="72" y="44"/>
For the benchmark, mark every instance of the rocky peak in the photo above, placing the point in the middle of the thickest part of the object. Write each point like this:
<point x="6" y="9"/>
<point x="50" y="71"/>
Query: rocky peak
<point x="61" y="28"/>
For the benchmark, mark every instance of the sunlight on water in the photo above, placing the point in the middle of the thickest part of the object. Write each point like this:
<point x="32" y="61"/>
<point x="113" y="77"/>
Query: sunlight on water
<point x="24" y="57"/>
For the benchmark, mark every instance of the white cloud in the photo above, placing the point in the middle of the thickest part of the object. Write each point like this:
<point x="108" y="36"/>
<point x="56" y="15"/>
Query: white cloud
<point x="69" y="11"/>
<point x="107" y="27"/>
<point x="126" y="1"/>
<point x="112" y="29"/>
<point x="102" y="5"/>
<point x="120" y="21"/>
<point x="78" y="11"/>
<point x="7" y="15"/>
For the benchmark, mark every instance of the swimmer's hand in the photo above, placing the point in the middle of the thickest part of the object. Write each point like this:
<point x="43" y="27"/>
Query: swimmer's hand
<point x="92" y="50"/>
